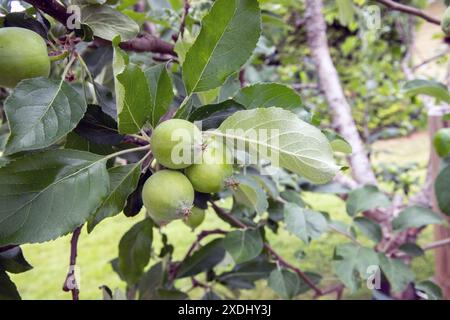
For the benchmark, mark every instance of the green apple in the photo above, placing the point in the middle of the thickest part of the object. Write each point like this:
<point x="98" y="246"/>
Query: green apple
<point x="23" y="55"/>
<point x="196" y="218"/>
<point x="175" y="143"/>
<point x="209" y="176"/>
<point x="168" y="195"/>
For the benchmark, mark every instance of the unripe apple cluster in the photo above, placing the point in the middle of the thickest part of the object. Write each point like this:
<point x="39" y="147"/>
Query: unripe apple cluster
<point x="191" y="165"/>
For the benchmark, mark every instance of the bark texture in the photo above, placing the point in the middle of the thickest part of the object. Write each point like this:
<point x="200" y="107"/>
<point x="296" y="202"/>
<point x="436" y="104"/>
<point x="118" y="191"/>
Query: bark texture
<point x="330" y="85"/>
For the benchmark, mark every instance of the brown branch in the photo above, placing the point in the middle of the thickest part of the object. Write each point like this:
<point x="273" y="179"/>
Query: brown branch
<point x="409" y="10"/>
<point x="148" y="43"/>
<point x="318" y="292"/>
<point x="53" y="8"/>
<point x="70" y="284"/>
<point x="143" y="43"/>
<point x="430" y="246"/>
<point x="437" y="244"/>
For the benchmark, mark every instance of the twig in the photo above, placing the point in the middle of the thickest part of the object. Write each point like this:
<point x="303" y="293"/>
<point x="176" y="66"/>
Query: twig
<point x="198" y="284"/>
<point x="229" y="217"/>
<point x="345" y="234"/>
<point x="70" y="284"/>
<point x="437" y="244"/>
<point x="302" y="86"/>
<point x="183" y="20"/>
<point x="409" y="10"/>
<point x="144" y="43"/>
<point x="299" y="272"/>
<point x="242" y="78"/>
<point x="318" y="292"/>
<point x="431" y="59"/>
<point x="134" y="139"/>
<point x="338" y="288"/>
<point x="52" y="8"/>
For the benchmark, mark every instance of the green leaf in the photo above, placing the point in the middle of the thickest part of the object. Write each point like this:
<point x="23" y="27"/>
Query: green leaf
<point x="442" y="142"/>
<point x="13" y="261"/>
<point x="284" y="282"/>
<point x="411" y="249"/>
<point x="338" y="143"/>
<point x="171" y="294"/>
<point x="106" y="22"/>
<point x="40" y="112"/>
<point x="243" y="245"/>
<point x="293" y="197"/>
<point x="304" y="287"/>
<point x="432" y="290"/>
<point x="150" y="282"/>
<point x="209" y="96"/>
<point x="98" y="127"/>
<point x="265" y="95"/>
<point x="346" y="12"/>
<point x="133" y="98"/>
<point x="427" y="87"/>
<point x="229" y="34"/>
<point x="250" y="193"/>
<point x="442" y="186"/>
<point x="211" y="295"/>
<point x="366" y="198"/>
<point x="369" y="228"/>
<point x="212" y="115"/>
<point x="203" y="259"/>
<point x="351" y="262"/>
<point x="304" y="223"/>
<point x="398" y="274"/>
<point x="8" y="290"/>
<point x="134" y="250"/>
<point x="133" y="107"/>
<point x="75" y="142"/>
<point x="49" y="194"/>
<point x="123" y="181"/>
<point x="415" y="217"/>
<point x="243" y="276"/>
<point x="182" y="46"/>
<point x="161" y="92"/>
<point x="342" y="227"/>
<point x="293" y="143"/>
<point x="266" y="182"/>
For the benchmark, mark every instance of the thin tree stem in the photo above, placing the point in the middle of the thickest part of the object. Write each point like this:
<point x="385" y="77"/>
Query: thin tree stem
<point x="437" y="244"/>
<point x="409" y="10"/>
<point x="70" y="284"/>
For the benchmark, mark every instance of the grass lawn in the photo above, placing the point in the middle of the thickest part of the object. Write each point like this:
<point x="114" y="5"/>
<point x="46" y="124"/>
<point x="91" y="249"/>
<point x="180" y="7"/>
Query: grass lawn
<point x="50" y="260"/>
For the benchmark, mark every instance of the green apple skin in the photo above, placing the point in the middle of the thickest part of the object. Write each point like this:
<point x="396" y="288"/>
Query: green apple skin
<point x="209" y="176"/>
<point x="195" y="219"/>
<point x="23" y="55"/>
<point x="167" y="195"/>
<point x="173" y="136"/>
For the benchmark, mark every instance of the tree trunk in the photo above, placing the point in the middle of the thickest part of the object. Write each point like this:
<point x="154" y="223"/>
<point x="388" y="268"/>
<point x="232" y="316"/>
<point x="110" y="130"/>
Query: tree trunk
<point x="442" y="254"/>
<point x="330" y="84"/>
